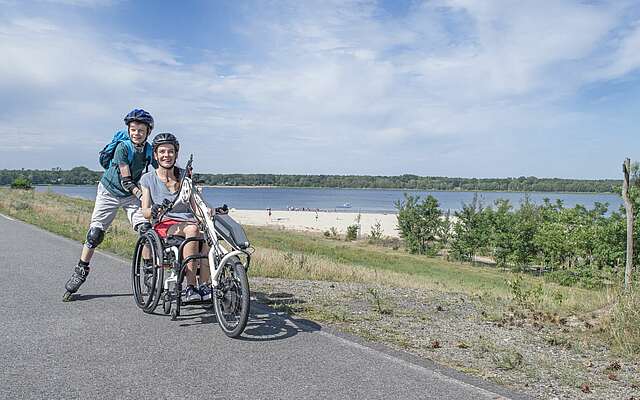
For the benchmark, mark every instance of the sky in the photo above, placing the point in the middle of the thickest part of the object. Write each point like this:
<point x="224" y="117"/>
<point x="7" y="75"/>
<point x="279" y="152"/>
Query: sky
<point x="434" y="88"/>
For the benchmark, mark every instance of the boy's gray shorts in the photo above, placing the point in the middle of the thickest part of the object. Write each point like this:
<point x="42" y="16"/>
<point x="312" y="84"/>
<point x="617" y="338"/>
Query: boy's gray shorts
<point x="106" y="207"/>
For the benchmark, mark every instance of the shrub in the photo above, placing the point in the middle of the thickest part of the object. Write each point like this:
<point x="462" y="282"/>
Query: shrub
<point x="529" y="298"/>
<point x="352" y="232"/>
<point x="376" y="232"/>
<point x="21" y="183"/>
<point x="332" y="233"/>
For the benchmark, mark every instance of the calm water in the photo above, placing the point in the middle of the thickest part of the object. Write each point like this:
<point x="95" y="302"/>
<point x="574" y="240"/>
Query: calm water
<point x="365" y="200"/>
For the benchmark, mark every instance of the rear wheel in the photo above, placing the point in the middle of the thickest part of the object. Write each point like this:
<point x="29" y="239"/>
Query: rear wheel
<point x="231" y="299"/>
<point x="146" y="289"/>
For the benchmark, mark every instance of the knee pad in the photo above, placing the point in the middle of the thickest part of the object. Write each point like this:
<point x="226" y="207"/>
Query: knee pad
<point x="95" y="236"/>
<point x="143" y="228"/>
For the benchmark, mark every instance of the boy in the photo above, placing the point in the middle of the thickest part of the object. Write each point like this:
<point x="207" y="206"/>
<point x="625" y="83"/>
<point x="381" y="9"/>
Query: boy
<point x="117" y="188"/>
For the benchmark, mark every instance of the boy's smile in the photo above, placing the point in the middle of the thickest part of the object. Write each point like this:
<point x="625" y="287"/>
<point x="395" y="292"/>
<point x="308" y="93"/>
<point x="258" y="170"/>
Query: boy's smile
<point x="138" y="132"/>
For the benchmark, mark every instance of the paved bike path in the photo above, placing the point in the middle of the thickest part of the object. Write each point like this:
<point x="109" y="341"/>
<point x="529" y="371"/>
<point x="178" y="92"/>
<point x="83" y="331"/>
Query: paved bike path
<point x="103" y="347"/>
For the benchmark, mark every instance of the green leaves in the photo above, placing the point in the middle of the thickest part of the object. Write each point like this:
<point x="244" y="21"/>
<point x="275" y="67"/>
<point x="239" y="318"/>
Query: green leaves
<point x="21" y="183"/>
<point x="419" y="223"/>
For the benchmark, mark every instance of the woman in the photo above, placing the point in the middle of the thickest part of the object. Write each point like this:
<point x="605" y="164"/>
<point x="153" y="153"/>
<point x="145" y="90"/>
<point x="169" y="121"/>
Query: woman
<point x="161" y="184"/>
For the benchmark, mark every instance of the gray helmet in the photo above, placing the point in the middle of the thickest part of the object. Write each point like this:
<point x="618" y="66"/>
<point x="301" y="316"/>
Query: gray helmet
<point x="165" y="138"/>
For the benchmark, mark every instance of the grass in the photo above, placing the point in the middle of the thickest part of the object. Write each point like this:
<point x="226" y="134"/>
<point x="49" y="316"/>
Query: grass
<point x="297" y="255"/>
<point x="622" y="327"/>
<point x="328" y="259"/>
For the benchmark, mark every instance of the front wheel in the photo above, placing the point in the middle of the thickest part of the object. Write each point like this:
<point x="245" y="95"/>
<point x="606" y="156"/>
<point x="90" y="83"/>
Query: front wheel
<point x="231" y="299"/>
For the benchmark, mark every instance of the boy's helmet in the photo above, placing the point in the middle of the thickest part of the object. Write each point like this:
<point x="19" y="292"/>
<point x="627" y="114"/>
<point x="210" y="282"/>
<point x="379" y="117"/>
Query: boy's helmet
<point x="139" y="115"/>
<point x="165" y="138"/>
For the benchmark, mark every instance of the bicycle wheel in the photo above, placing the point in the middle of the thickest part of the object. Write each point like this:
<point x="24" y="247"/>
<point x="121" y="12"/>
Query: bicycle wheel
<point x="231" y="299"/>
<point x="146" y="289"/>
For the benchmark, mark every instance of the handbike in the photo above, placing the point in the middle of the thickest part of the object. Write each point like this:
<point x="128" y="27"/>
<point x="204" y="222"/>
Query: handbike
<point x="229" y="257"/>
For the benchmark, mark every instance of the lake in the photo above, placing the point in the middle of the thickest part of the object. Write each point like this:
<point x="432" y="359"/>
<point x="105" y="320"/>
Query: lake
<point x="363" y="200"/>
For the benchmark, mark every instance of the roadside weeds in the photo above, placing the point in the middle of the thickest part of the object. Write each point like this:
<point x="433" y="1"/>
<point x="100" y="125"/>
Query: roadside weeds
<point x="527" y="352"/>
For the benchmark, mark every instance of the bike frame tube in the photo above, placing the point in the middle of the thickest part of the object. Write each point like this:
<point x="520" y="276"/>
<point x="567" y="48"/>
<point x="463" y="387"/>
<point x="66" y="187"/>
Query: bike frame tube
<point x="189" y="240"/>
<point x="184" y="264"/>
<point x="218" y="270"/>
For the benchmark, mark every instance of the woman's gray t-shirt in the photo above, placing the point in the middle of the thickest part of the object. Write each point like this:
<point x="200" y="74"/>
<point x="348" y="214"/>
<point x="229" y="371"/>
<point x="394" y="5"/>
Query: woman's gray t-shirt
<point x="159" y="192"/>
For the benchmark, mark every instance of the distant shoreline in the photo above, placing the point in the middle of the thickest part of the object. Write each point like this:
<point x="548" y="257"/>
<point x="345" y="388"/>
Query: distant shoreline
<point x="404" y="182"/>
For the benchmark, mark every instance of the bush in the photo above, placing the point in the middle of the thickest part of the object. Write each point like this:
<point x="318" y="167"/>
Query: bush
<point x="21" y="183"/>
<point x="332" y="233"/>
<point x="376" y="232"/>
<point x="352" y="232"/>
<point x="529" y="298"/>
<point x="585" y="277"/>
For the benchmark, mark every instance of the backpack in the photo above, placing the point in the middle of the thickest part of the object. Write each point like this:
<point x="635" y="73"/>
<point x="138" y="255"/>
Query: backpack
<point x="106" y="154"/>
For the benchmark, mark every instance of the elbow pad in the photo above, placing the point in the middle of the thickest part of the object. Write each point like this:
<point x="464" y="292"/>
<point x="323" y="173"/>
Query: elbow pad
<point x="127" y="184"/>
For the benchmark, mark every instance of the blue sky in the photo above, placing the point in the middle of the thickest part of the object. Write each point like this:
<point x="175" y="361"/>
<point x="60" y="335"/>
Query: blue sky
<point x="447" y="88"/>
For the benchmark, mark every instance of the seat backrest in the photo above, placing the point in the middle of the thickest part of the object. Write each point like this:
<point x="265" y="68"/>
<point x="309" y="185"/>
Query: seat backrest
<point x="173" y="240"/>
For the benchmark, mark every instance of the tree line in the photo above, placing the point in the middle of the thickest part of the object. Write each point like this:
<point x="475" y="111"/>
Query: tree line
<point x="567" y="245"/>
<point x="84" y="176"/>
<point x="55" y="176"/>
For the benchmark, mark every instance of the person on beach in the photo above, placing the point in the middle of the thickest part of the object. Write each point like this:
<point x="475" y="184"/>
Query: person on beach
<point x="163" y="183"/>
<point x="118" y="188"/>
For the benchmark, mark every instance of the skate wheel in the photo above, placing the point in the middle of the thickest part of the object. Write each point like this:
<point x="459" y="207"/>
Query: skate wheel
<point x="68" y="296"/>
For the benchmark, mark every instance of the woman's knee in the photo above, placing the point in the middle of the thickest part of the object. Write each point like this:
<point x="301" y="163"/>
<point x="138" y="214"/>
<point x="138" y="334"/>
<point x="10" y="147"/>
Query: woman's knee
<point x="191" y="231"/>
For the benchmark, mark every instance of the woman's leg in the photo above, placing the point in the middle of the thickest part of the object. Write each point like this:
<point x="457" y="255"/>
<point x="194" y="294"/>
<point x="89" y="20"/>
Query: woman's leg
<point x="205" y="273"/>
<point x="188" y="230"/>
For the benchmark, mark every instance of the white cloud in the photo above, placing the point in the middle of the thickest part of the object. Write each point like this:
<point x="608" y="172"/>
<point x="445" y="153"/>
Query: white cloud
<point x="626" y="58"/>
<point x="458" y="75"/>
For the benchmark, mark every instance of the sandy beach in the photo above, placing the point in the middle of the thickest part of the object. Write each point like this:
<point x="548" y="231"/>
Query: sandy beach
<point x="320" y="221"/>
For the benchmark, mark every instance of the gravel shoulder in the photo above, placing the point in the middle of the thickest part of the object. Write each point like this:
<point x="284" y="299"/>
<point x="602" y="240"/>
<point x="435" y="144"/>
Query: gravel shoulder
<point x="541" y="355"/>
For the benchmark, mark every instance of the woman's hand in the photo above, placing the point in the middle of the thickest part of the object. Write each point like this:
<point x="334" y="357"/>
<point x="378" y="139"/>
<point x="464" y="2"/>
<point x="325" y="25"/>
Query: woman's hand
<point x="155" y="210"/>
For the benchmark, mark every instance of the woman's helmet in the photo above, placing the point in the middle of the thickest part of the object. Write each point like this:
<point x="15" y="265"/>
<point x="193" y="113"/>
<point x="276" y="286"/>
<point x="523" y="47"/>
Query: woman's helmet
<point x="139" y="115"/>
<point x="165" y="138"/>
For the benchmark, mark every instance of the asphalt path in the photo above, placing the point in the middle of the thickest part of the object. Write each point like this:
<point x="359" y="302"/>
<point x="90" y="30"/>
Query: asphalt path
<point x="102" y="346"/>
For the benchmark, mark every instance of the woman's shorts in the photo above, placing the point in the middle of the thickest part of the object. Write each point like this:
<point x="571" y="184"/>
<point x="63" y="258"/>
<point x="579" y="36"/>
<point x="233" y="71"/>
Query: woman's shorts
<point x="162" y="228"/>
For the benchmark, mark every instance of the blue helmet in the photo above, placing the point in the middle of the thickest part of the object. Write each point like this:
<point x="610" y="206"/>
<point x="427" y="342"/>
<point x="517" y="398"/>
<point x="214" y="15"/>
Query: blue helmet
<point x="139" y="115"/>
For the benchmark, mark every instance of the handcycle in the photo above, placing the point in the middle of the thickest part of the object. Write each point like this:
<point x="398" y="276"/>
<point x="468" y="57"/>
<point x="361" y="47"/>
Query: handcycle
<point x="229" y="257"/>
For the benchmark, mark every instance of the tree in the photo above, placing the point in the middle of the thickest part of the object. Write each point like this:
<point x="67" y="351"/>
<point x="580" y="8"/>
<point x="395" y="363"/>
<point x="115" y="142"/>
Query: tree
<point x="472" y="230"/>
<point x="503" y="232"/>
<point x="526" y="225"/>
<point x="419" y="222"/>
<point x="628" y="205"/>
